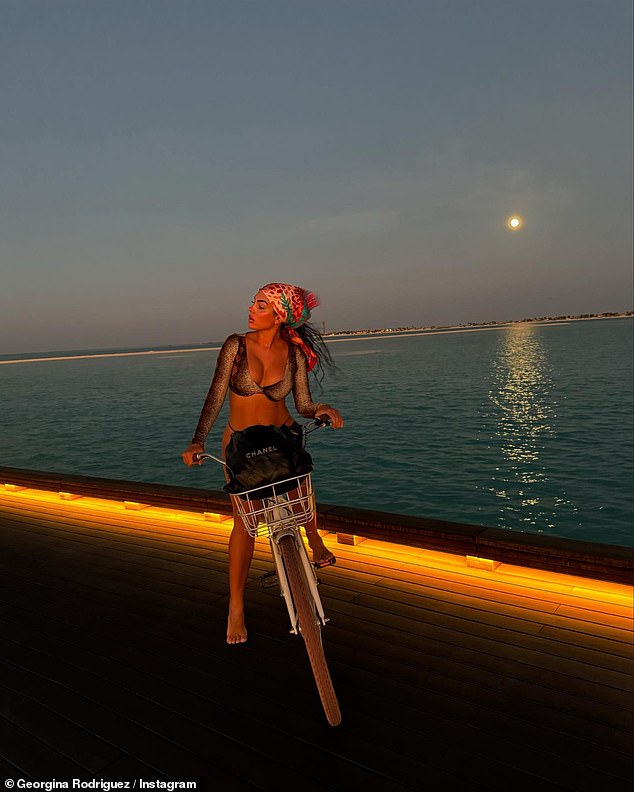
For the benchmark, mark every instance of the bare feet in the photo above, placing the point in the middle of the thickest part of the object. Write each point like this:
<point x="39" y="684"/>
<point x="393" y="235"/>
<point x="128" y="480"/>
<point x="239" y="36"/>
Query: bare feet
<point x="236" y="630"/>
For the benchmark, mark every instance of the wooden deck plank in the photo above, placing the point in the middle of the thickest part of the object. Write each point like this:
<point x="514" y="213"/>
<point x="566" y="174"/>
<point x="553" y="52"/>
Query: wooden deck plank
<point x="439" y="592"/>
<point x="430" y="739"/>
<point x="445" y="674"/>
<point x="189" y="596"/>
<point x="519" y="613"/>
<point x="339" y="769"/>
<point x="422" y="555"/>
<point x="603" y="561"/>
<point x="512" y="644"/>
<point x="68" y="632"/>
<point x="262" y="731"/>
<point x="138" y="740"/>
<point x="428" y="678"/>
<point x="31" y="756"/>
<point x="267" y="730"/>
<point x="434" y="592"/>
<point x="188" y="733"/>
<point x="372" y="626"/>
<point x="405" y="571"/>
<point x="619" y="664"/>
<point x="76" y="744"/>
<point x="477" y="678"/>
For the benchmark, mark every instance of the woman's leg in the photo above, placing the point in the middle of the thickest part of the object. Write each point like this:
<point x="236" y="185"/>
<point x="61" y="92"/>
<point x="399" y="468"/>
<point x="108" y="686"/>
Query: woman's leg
<point x="321" y="554"/>
<point x="240" y="554"/>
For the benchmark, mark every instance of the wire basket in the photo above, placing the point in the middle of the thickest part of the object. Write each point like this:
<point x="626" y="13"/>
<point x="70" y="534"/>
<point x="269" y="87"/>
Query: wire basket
<point x="285" y="504"/>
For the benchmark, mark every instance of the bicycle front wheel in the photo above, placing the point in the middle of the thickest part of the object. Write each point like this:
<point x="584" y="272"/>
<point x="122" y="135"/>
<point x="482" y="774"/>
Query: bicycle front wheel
<point x="310" y="628"/>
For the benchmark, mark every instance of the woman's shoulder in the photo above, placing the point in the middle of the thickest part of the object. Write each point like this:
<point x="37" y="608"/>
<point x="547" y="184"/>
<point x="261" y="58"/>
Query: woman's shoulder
<point x="231" y="343"/>
<point x="234" y="338"/>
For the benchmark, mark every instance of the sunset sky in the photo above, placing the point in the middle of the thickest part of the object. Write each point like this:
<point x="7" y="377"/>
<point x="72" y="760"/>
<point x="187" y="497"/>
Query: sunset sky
<point x="160" y="160"/>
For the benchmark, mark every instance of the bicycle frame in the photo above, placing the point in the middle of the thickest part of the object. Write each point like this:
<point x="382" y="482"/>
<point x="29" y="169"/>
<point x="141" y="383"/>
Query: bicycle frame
<point x="285" y="516"/>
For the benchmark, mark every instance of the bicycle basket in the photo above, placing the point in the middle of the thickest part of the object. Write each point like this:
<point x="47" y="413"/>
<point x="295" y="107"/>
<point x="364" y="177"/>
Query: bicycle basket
<point x="285" y="504"/>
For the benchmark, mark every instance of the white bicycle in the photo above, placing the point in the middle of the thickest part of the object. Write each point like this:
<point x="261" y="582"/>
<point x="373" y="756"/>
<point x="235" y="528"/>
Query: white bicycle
<point x="278" y="511"/>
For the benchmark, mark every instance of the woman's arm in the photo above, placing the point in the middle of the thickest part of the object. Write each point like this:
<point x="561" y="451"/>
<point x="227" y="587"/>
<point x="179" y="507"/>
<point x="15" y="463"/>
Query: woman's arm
<point x="304" y="403"/>
<point x="215" y="397"/>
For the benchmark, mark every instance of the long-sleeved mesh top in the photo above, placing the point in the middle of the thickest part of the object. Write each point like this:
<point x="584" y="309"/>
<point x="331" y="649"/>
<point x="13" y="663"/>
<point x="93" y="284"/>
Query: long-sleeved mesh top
<point x="232" y="371"/>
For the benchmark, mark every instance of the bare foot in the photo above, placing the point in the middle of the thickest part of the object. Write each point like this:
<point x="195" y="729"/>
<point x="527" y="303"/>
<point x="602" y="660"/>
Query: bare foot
<point x="322" y="555"/>
<point x="236" y="630"/>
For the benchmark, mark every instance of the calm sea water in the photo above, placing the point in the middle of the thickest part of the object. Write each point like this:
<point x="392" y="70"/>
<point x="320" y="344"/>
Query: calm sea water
<point x="525" y="427"/>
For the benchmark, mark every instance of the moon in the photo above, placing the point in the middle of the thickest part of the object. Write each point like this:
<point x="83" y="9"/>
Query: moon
<point x="514" y="223"/>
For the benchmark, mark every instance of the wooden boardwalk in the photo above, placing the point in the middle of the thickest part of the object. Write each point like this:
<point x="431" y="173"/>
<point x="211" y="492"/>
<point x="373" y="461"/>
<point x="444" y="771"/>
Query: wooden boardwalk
<point x="113" y="664"/>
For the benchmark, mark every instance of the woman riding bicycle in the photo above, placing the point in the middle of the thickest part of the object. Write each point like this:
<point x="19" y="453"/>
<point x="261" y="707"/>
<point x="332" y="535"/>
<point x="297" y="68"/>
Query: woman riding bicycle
<point x="260" y="369"/>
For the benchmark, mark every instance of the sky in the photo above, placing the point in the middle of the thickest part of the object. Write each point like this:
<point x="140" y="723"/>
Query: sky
<point x="160" y="160"/>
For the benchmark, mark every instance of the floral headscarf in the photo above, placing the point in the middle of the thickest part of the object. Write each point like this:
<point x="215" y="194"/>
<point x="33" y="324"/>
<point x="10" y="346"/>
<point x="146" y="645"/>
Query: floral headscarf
<point x="293" y="305"/>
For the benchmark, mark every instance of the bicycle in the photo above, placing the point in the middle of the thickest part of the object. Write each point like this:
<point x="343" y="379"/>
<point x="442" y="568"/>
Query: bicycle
<point x="278" y="511"/>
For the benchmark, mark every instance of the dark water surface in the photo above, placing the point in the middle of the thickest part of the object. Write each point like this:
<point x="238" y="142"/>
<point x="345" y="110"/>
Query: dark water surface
<point x="527" y="427"/>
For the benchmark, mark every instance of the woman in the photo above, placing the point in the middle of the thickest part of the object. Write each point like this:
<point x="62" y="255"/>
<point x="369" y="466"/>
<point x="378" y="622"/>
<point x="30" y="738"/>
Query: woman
<point x="260" y="369"/>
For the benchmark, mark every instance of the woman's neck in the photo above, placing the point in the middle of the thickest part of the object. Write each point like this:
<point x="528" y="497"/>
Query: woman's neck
<point x="266" y="338"/>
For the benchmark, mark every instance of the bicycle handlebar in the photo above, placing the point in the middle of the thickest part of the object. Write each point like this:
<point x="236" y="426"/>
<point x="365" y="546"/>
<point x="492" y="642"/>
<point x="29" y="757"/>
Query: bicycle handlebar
<point x="315" y="423"/>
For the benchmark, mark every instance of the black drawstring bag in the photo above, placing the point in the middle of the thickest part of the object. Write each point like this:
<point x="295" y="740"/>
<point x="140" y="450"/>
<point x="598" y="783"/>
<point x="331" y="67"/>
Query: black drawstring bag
<point x="261" y="455"/>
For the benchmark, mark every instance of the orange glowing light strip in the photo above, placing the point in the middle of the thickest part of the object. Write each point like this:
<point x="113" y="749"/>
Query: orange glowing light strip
<point x="410" y="560"/>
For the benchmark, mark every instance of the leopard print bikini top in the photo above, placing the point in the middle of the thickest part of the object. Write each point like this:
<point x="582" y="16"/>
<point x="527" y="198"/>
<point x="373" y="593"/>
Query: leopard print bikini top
<point x="232" y="372"/>
<point x="242" y="383"/>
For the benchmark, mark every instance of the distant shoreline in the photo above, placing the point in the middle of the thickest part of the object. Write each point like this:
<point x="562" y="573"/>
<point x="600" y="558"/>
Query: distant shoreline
<point x="348" y="335"/>
<point x="483" y="325"/>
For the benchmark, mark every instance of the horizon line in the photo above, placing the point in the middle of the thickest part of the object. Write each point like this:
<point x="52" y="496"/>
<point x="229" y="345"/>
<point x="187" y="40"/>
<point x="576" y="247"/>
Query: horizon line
<point x="328" y="337"/>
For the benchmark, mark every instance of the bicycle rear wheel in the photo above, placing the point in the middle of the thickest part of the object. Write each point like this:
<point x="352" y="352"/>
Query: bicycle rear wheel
<point x="310" y="628"/>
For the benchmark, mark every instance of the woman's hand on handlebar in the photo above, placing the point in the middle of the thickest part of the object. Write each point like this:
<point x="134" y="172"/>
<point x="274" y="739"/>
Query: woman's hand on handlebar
<point x="189" y="454"/>
<point x="328" y="413"/>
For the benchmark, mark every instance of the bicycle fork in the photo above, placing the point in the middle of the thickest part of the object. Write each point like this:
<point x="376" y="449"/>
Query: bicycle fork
<point x="309" y="572"/>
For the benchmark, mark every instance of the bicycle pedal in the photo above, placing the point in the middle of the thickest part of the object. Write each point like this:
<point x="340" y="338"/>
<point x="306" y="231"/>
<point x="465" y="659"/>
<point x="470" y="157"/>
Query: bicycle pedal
<point x="323" y="564"/>
<point x="269" y="579"/>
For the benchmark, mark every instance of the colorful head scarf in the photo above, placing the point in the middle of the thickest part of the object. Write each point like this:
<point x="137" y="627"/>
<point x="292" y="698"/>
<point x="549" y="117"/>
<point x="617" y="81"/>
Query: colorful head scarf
<point x="293" y="305"/>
